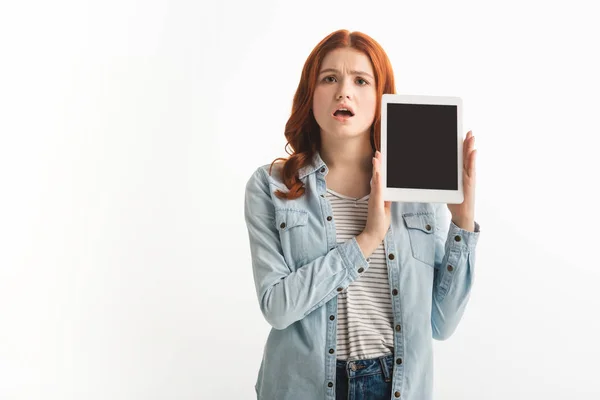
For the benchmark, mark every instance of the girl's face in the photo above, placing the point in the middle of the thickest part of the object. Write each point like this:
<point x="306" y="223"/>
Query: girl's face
<point x="346" y="78"/>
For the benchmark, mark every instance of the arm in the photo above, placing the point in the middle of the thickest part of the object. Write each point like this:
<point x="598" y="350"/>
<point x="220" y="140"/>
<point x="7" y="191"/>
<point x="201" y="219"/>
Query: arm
<point x="287" y="296"/>
<point x="453" y="273"/>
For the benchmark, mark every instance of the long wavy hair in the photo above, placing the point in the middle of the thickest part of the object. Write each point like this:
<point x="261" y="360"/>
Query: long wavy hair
<point x="302" y="132"/>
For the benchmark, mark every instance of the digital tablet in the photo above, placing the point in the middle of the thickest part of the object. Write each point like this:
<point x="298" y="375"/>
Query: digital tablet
<point x="421" y="147"/>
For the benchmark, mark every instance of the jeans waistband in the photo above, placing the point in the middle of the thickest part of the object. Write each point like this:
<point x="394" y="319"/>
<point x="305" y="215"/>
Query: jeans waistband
<point x="372" y="366"/>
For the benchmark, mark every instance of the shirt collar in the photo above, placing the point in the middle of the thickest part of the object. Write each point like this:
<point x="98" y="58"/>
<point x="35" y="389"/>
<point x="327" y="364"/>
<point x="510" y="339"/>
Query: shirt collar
<point x="316" y="164"/>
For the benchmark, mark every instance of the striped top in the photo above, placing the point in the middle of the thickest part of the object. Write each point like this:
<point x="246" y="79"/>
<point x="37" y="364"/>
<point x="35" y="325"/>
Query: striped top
<point x="365" y="319"/>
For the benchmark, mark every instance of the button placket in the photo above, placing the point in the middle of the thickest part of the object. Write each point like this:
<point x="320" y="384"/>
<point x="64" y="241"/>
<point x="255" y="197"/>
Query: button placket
<point x="331" y="304"/>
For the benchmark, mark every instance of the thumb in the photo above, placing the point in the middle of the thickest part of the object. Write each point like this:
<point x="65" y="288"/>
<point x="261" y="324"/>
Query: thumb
<point x="375" y="180"/>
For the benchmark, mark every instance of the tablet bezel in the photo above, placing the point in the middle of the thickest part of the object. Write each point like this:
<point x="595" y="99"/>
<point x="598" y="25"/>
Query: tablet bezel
<point x="422" y="195"/>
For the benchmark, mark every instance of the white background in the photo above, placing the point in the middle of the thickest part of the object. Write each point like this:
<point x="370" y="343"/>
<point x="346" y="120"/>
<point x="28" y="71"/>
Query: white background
<point x="128" y="130"/>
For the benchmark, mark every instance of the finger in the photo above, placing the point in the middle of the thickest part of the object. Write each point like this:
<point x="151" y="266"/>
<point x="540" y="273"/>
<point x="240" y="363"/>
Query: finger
<point x="472" y="156"/>
<point x="472" y="164"/>
<point x="470" y="170"/>
<point x="466" y="171"/>
<point x="373" y="172"/>
<point x="374" y="177"/>
<point x="377" y="176"/>
<point x="465" y="141"/>
<point x="466" y="149"/>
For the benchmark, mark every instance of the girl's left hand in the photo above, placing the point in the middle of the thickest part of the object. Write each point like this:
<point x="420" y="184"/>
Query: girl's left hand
<point x="463" y="214"/>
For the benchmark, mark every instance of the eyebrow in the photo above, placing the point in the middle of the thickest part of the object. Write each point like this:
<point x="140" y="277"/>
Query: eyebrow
<point x="352" y="72"/>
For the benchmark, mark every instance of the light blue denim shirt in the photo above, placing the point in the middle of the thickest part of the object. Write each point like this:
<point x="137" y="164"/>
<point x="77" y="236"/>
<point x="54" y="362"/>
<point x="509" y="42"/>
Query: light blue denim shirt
<point x="299" y="269"/>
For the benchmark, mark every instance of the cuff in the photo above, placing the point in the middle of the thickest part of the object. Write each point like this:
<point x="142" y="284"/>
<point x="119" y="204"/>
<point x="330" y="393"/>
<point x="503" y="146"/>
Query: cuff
<point x="459" y="237"/>
<point x="353" y="258"/>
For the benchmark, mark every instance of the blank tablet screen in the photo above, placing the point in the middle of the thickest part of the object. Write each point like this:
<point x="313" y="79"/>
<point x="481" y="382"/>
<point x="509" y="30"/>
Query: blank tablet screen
<point x="421" y="146"/>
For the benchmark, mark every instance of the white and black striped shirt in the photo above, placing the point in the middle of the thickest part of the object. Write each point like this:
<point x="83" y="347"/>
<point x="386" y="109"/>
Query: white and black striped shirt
<point x="365" y="319"/>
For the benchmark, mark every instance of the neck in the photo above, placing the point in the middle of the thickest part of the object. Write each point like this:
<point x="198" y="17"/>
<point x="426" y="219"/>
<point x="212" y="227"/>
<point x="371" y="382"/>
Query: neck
<point x="348" y="155"/>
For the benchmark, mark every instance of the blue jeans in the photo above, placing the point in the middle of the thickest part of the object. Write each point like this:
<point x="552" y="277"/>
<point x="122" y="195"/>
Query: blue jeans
<point x="364" y="379"/>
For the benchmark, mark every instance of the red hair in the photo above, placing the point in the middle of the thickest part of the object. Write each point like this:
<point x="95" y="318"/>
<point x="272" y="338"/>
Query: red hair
<point x="301" y="130"/>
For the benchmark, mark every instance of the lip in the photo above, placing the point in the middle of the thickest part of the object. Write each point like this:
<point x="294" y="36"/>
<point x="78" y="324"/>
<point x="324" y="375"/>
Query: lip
<point x="346" y="106"/>
<point x="341" y="118"/>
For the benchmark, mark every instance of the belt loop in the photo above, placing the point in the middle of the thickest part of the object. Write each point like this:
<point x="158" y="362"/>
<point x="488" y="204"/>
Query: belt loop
<point x="384" y="369"/>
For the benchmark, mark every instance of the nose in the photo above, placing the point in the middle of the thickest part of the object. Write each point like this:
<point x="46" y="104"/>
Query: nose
<point x="344" y="89"/>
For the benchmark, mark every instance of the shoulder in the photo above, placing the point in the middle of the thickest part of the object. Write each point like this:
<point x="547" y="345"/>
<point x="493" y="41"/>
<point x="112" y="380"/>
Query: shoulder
<point x="266" y="177"/>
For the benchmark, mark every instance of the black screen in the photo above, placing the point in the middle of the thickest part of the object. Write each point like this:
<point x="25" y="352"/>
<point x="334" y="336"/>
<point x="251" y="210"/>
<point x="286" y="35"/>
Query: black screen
<point x="421" y="146"/>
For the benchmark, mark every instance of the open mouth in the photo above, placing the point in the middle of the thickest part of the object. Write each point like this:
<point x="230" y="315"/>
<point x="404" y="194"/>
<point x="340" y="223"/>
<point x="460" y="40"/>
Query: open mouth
<point x="343" y="114"/>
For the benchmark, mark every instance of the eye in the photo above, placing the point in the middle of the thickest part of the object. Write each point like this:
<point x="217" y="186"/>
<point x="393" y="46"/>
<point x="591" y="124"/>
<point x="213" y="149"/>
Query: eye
<point x="358" y="80"/>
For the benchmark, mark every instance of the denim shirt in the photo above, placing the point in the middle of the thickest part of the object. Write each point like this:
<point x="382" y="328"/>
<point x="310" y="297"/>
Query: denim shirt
<point x="299" y="269"/>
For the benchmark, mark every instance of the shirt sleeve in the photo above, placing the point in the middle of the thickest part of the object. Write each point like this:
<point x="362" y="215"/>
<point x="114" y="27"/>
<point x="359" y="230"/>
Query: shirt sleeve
<point x="453" y="273"/>
<point x="286" y="296"/>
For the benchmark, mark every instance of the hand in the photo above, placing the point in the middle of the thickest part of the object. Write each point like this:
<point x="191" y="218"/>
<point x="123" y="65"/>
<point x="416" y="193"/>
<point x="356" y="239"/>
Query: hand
<point x="463" y="214"/>
<point x="379" y="215"/>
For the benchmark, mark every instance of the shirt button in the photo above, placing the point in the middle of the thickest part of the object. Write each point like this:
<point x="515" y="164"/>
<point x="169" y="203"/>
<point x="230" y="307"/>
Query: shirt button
<point x="428" y="227"/>
<point x="457" y="238"/>
<point x="322" y="195"/>
<point x="450" y="268"/>
<point x="329" y="218"/>
<point x="361" y="269"/>
<point x="332" y="317"/>
<point x="399" y="361"/>
<point x="339" y="289"/>
<point x="330" y="384"/>
<point x="322" y="169"/>
<point x="282" y="225"/>
<point x="398" y="328"/>
<point x="331" y="351"/>
<point x="395" y="292"/>
<point x="397" y="394"/>
<point x="391" y="256"/>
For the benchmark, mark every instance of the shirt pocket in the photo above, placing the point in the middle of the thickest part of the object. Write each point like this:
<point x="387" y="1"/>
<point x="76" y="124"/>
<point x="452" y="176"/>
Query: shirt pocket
<point x="292" y="225"/>
<point x="420" y="228"/>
